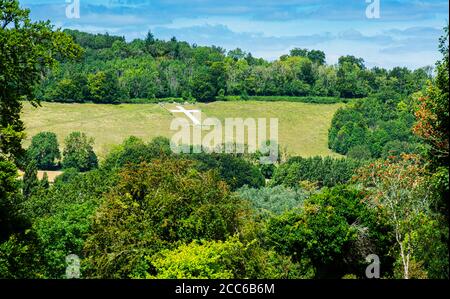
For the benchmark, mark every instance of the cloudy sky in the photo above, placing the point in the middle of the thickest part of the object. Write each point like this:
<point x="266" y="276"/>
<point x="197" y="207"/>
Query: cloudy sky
<point x="405" y="34"/>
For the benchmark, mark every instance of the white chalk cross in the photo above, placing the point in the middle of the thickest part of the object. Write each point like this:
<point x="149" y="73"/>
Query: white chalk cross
<point x="188" y="113"/>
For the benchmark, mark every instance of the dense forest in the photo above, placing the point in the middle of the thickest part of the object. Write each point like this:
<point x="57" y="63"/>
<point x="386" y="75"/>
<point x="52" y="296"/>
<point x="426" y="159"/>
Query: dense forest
<point x="145" y="212"/>
<point x="112" y="70"/>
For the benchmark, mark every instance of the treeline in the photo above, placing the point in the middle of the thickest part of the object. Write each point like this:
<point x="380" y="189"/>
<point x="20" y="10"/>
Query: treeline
<point x="113" y="70"/>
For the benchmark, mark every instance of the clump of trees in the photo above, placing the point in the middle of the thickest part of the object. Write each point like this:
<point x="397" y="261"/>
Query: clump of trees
<point x="78" y="152"/>
<point x="374" y="127"/>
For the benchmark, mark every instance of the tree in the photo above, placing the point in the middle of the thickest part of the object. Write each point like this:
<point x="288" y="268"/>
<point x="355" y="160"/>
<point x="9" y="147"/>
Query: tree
<point x="27" y="51"/>
<point x="299" y="52"/>
<point x="30" y="179"/>
<point x="359" y="62"/>
<point x="203" y="87"/>
<point x="400" y="190"/>
<point x="237" y="54"/>
<point x="350" y="82"/>
<point x="276" y="200"/>
<point x="432" y="113"/>
<point x="323" y="171"/>
<point x="10" y="219"/>
<point x="150" y="38"/>
<point x="359" y="152"/>
<point x="235" y="171"/>
<point x="228" y="259"/>
<point x="79" y="153"/>
<point x="103" y="87"/>
<point x="317" y="56"/>
<point x="70" y="89"/>
<point x="44" y="149"/>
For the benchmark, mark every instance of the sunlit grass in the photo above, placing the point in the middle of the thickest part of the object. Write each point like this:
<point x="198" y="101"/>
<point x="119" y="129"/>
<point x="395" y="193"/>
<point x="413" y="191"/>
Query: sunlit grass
<point x="303" y="128"/>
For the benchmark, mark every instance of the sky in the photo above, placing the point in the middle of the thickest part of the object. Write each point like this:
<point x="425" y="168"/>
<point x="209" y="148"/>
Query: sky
<point x="404" y="33"/>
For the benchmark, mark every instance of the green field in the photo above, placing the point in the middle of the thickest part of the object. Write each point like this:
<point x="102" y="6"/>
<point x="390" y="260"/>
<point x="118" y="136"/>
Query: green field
<point x="303" y="128"/>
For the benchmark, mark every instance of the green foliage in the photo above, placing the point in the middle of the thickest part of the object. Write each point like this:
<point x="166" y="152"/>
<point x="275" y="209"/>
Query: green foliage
<point x="396" y="148"/>
<point x="432" y="110"/>
<point x="44" y="149"/>
<point x="61" y="234"/>
<point x="207" y="260"/>
<point x="276" y="200"/>
<point x="149" y="69"/>
<point x="153" y="207"/>
<point x="333" y="229"/>
<point x="11" y="219"/>
<point x="234" y="170"/>
<point x="230" y="259"/>
<point x="134" y="150"/>
<point x="61" y="220"/>
<point x="27" y="51"/>
<point x="359" y="152"/>
<point x="375" y="123"/>
<point x="78" y="152"/>
<point x="148" y="213"/>
<point x="400" y="189"/>
<point x="297" y="99"/>
<point x="30" y="179"/>
<point x="324" y="171"/>
<point x="103" y="87"/>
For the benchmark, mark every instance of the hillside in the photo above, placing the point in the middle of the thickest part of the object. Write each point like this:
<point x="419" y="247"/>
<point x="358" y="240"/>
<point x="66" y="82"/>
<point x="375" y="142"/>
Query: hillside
<point x="303" y="127"/>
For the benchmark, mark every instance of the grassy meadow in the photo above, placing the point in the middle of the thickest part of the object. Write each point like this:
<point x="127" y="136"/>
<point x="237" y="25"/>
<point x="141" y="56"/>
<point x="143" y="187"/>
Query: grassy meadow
<point x="303" y="127"/>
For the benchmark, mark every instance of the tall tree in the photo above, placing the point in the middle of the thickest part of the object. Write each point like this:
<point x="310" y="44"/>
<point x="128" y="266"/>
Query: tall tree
<point x="79" y="153"/>
<point x="27" y="51"/>
<point x="400" y="190"/>
<point x="44" y="149"/>
<point x="432" y="115"/>
<point x="30" y="179"/>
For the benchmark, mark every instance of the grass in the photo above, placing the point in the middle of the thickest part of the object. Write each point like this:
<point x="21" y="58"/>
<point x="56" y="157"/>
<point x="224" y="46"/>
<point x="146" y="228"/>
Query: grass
<point x="303" y="128"/>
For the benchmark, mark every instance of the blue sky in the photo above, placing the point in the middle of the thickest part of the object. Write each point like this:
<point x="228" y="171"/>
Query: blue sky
<point x="406" y="34"/>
